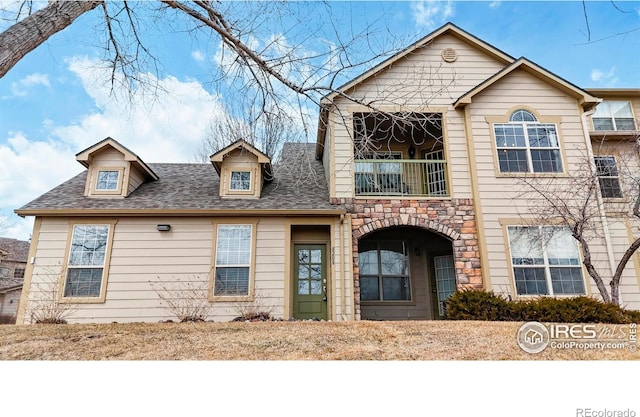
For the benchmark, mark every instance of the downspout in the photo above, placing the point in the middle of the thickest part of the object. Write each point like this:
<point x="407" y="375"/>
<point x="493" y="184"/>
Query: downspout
<point x="600" y="201"/>
<point x="343" y="290"/>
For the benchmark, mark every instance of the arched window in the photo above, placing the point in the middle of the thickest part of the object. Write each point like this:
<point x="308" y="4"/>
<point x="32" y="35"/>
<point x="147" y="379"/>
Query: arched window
<point x="522" y="116"/>
<point x="526" y="145"/>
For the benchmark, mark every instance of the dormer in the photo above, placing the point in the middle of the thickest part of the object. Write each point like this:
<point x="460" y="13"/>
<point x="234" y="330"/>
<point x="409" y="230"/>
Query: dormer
<point x="113" y="170"/>
<point x="243" y="170"/>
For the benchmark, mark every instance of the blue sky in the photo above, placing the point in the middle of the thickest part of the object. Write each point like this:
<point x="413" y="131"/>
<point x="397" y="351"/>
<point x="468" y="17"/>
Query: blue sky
<point x="55" y="102"/>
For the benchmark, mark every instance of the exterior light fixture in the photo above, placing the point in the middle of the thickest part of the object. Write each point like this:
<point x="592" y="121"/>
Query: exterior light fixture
<point x="163" y="227"/>
<point x="412" y="151"/>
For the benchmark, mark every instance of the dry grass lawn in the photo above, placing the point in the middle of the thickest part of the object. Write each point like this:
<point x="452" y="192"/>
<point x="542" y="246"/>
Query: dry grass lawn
<point x="364" y="340"/>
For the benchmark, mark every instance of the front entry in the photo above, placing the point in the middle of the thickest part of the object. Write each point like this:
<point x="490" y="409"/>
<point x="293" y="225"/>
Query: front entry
<point x="310" y="282"/>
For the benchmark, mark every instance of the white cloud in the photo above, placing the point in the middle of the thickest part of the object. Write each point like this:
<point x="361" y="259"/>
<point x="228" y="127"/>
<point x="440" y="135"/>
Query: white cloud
<point x="495" y="4"/>
<point x="197" y="56"/>
<point x="22" y="87"/>
<point x="607" y="78"/>
<point x="166" y="121"/>
<point x="28" y="169"/>
<point x="431" y="13"/>
<point x="167" y="126"/>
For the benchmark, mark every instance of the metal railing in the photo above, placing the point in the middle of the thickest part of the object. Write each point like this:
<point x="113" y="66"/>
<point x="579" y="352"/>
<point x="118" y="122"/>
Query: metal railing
<point x="401" y="177"/>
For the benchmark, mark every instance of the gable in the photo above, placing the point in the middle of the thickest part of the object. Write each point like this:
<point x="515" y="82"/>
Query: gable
<point x="243" y="170"/>
<point x="113" y="170"/>
<point x="523" y="65"/>
<point x="445" y="51"/>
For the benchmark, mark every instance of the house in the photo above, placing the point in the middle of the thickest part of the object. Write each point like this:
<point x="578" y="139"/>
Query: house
<point x="412" y="191"/>
<point x="13" y="261"/>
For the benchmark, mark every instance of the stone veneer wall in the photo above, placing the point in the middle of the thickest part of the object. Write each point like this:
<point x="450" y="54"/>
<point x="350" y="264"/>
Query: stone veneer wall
<point x="451" y="218"/>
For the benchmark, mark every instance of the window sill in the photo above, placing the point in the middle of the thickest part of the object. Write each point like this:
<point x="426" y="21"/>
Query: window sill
<point x="614" y="134"/>
<point x="82" y="300"/>
<point x="529" y="297"/>
<point x="231" y="298"/>
<point x="532" y="175"/>
<point x="387" y="303"/>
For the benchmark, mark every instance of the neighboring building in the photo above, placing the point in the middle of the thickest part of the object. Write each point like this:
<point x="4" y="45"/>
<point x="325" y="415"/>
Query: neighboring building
<point x="401" y="206"/>
<point x="13" y="262"/>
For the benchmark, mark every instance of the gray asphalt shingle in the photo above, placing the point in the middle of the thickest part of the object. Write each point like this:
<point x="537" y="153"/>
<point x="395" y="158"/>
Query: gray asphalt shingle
<point x="299" y="184"/>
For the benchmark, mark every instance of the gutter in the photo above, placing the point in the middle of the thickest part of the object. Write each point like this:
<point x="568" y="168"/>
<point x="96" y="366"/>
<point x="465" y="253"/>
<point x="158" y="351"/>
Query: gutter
<point x="601" y="209"/>
<point x="343" y="290"/>
<point x="176" y="212"/>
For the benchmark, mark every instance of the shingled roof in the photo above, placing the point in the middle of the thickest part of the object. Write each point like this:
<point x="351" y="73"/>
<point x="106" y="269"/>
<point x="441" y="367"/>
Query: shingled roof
<point x="192" y="188"/>
<point x="16" y="250"/>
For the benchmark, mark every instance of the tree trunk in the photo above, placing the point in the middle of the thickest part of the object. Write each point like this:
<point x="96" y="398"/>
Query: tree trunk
<point x="29" y="33"/>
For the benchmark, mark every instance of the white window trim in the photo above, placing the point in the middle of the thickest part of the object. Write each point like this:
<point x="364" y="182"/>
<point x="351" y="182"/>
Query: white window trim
<point x="111" y="191"/>
<point x="528" y="148"/>
<point x="609" y="115"/>
<point x="105" y="265"/>
<point x="546" y="265"/>
<point x="251" y="265"/>
<point x="616" y="177"/>
<point x="240" y="190"/>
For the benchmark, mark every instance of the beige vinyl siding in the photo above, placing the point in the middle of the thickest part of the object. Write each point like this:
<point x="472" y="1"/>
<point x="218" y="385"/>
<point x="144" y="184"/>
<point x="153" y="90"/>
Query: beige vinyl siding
<point x="413" y="84"/>
<point x="501" y="201"/>
<point x="136" y="178"/>
<point x="141" y="255"/>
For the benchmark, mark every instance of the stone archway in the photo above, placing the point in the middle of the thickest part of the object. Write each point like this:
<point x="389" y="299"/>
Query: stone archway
<point x="453" y="219"/>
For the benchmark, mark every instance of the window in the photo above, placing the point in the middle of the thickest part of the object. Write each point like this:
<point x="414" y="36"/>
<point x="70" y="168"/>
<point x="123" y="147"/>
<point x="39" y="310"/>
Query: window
<point x="524" y="145"/>
<point x="18" y="273"/>
<point x="86" y="261"/>
<point x="233" y="260"/>
<point x="4" y="272"/>
<point x="108" y="181"/>
<point x="384" y="271"/>
<point x="613" y="115"/>
<point x="608" y="176"/>
<point x="240" y="181"/>
<point x="545" y="261"/>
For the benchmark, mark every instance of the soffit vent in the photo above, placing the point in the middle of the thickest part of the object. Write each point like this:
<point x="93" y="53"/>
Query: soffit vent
<point x="449" y="55"/>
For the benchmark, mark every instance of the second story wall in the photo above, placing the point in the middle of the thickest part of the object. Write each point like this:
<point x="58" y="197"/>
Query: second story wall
<point x="424" y="82"/>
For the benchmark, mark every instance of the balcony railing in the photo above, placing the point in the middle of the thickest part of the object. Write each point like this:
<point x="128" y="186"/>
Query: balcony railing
<point x="401" y="177"/>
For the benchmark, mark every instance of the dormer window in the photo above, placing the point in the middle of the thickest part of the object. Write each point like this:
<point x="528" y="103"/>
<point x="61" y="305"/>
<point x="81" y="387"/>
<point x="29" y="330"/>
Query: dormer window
<point x="108" y="181"/>
<point x="243" y="170"/>
<point x="113" y="171"/>
<point x="240" y="181"/>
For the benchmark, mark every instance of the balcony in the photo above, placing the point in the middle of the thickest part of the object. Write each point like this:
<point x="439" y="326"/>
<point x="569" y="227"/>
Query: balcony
<point x="401" y="178"/>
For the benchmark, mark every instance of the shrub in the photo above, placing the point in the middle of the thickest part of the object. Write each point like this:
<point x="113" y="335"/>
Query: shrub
<point x="187" y="299"/>
<point x="485" y="305"/>
<point x="477" y="305"/>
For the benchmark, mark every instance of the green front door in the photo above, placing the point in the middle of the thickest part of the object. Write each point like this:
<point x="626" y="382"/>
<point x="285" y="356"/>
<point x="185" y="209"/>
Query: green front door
<point x="310" y="282"/>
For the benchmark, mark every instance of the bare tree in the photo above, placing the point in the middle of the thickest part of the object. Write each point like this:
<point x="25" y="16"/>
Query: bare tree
<point x="265" y="130"/>
<point x="255" y="52"/>
<point x="581" y="200"/>
<point x="278" y="59"/>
